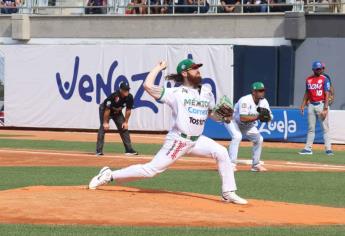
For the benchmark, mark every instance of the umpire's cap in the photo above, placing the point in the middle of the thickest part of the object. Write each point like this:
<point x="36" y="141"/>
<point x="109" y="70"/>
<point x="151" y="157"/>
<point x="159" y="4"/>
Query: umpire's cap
<point x="186" y="64"/>
<point x="124" y="86"/>
<point x="317" y="65"/>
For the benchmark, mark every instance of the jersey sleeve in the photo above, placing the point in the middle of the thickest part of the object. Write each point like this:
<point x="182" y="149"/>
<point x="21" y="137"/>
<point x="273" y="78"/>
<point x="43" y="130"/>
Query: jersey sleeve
<point x="329" y="78"/>
<point x="243" y="107"/>
<point x="212" y="100"/>
<point x="130" y="101"/>
<point x="212" y="103"/>
<point x="108" y="101"/>
<point x="327" y="84"/>
<point x="167" y="96"/>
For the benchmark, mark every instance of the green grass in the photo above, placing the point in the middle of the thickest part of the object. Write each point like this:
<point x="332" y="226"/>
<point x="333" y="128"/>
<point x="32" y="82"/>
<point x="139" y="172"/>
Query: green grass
<point x="300" y="187"/>
<point x="13" y="135"/>
<point x="151" y="149"/>
<point x="38" y="230"/>
<point x="89" y="147"/>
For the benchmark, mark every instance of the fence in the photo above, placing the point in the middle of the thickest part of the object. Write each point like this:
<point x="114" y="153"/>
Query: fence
<point x="121" y="7"/>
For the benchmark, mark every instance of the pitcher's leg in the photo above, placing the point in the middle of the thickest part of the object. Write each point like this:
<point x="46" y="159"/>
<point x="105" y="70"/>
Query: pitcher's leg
<point x="208" y="147"/>
<point x="168" y="154"/>
<point x="236" y="138"/>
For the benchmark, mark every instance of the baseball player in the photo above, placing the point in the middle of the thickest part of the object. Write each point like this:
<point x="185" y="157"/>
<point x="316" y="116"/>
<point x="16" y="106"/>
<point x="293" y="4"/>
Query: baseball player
<point x="191" y="104"/>
<point x="111" y="108"/>
<point x="317" y="94"/>
<point x="247" y="111"/>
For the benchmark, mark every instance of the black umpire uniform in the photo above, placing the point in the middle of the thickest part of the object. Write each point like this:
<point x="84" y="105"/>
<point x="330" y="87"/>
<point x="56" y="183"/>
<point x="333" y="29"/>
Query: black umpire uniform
<point x="115" y="103"/>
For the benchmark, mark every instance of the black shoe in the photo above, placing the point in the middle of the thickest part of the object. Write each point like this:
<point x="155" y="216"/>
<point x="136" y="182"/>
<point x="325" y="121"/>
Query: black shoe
<point x="131" y="153"/>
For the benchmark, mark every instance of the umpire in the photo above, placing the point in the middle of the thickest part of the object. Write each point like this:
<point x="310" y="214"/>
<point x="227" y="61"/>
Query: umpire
<point x="111" y="108"/>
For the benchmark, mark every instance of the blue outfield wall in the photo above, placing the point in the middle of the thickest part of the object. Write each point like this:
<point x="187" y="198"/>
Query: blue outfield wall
<point x="288" y="125"/>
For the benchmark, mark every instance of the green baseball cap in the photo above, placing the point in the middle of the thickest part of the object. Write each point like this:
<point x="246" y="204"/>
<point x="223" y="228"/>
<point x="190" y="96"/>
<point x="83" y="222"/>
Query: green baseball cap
<point x="185" y="65"/>
<point x="258" y="86"/>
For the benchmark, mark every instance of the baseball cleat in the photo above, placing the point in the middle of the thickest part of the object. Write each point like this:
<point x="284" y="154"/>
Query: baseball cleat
<point x="258" y="168"/>
<point x="131" y="153"/>
<point x="103" y="177"/>
<point x="306" y="152"/>
<point x="99" y="154"/>
<point x="232" y="197"/>
<point x="329" y="153"/>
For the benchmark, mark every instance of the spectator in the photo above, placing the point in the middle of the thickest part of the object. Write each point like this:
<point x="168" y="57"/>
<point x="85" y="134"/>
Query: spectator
<point x="228" y="6"/>
<point x="9" y="6"/>
<point x="193" y="8"/>
<point x="137" y="7"/>
<point x="279" y="8"/>
<point x="255" y="6"/>
<point x="97" y="7"/>
<point x="167" y="7"/>
<point x="155" y="6"/>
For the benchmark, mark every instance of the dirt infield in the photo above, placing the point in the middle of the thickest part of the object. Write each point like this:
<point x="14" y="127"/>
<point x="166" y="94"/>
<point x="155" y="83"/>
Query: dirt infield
<point x="51" y="158"/>
<point x="123" y="206"/>
<point x="136" y="138"/>
<point x="134" y="207"/>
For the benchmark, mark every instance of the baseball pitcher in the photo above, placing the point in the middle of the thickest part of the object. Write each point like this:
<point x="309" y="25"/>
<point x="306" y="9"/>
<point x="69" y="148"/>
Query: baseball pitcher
<point x="247" y="111"/>
<point x="191" y="104"/>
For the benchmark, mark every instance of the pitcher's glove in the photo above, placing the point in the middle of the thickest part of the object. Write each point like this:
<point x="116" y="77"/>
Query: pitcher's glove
<point x="264" y="114"/>
<point x="223" y="110"/>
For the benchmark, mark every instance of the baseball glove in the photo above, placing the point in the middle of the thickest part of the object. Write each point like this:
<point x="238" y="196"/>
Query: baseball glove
<point x="331" y="98"/>
<point x="223" y="110"/>
<point x="264" y="114"/>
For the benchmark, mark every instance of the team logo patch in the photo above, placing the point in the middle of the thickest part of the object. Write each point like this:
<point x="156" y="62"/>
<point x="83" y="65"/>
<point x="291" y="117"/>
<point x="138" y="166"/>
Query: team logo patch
<point x="244" y="105"/>
<point x="183" y="67"/>
<point x="319" y="81"/>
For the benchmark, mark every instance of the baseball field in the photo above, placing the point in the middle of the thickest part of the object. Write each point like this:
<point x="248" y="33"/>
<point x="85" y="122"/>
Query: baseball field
<point x="44" y="177"/>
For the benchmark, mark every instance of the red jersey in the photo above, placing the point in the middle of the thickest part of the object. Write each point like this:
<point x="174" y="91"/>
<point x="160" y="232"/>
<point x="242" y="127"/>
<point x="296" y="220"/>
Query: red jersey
<point x="316" y="86"/>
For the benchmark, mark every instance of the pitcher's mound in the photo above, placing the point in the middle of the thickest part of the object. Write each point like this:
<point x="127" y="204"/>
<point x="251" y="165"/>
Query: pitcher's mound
<point x="130" y="206"/>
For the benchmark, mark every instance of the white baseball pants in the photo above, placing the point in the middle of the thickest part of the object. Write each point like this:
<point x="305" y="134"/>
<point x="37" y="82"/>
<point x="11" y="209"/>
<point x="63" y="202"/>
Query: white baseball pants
<point x="174" y="147"/>
<point x="252" y="133"/>
<point x="313" y="114"/>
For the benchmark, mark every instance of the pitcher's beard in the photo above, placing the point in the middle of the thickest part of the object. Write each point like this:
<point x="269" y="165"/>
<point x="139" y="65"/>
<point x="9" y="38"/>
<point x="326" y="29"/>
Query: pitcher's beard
<point x="194" y="80"/>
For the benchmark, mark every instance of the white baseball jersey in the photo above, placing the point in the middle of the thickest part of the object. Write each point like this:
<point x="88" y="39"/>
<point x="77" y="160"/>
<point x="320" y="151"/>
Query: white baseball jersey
<point x="246" y="106"/>
<point x="190" y="108"/>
